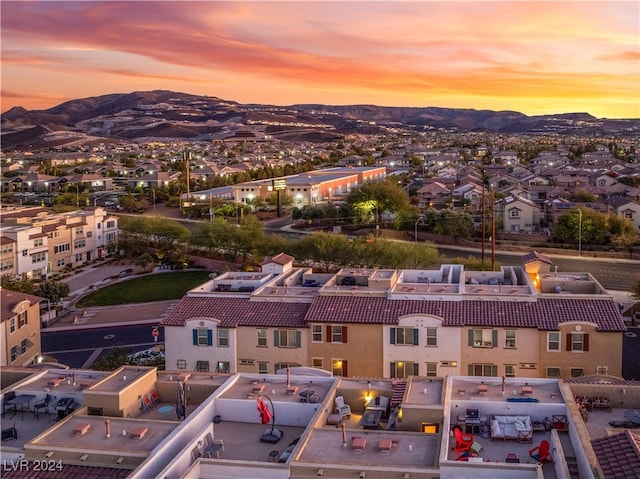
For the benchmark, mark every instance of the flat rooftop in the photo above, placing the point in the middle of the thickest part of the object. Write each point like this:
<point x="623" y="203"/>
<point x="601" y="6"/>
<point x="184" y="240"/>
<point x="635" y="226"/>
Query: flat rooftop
<point x="276" y="388"/>
<point x="409" y="449"/>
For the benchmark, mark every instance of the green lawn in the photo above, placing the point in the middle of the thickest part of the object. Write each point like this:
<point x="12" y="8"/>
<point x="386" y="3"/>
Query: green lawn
<point x="157" y="287"/>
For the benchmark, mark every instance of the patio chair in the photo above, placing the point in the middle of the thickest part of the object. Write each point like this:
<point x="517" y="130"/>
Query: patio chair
<point x="541" y="452"/>
<point x="147" y="403"/>
<point x="342" y="408"/>
<point x="40" y="405"/>
<point x="463" y="441"/>
<point x="154" y="396"/>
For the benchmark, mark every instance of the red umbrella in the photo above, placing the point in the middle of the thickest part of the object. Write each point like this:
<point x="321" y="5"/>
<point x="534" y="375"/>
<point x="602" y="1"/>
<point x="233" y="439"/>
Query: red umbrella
<point x="263" y="410"/>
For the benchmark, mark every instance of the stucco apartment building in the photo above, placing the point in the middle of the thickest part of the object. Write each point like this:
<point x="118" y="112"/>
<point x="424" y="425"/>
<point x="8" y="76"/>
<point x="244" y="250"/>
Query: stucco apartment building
<point x="20" y="331"/>
<point x="523" y="322"/>
<point x="37" y="242"/>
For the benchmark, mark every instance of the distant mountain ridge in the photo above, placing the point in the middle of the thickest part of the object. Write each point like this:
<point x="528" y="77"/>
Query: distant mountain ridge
<point x="162" y="115"/>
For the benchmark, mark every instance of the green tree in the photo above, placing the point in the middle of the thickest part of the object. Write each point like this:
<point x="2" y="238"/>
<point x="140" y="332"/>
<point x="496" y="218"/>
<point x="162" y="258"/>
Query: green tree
<point x="21" y="285"/>
<point x="144" y="260"/>
<point x="456" y="224"/>
<point x="369" y="201"/>
<point x="635" y="289"/>
<point x="625" y="242"/>
<point x="54" y="291"/>
<point x="590" y="227"/>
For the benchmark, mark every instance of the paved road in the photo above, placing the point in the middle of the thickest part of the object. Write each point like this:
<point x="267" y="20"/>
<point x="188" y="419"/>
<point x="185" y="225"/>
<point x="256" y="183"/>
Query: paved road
<point x="75" y="348"/>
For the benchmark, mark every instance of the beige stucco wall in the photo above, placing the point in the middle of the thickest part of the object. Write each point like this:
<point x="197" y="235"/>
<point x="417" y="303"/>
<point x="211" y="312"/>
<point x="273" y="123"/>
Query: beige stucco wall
<point x="248" y="349"/>
<point x="30" y="331"/>
<point x="605" y="349"/>
<point x="526" y="351"/>
<point x="362" y="351"/>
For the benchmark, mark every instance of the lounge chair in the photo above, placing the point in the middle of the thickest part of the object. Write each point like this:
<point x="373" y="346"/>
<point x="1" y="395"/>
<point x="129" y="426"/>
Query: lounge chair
<point x="541" y="452"/>
<point x="342" y="408"/>
<point x="463" y="441"/>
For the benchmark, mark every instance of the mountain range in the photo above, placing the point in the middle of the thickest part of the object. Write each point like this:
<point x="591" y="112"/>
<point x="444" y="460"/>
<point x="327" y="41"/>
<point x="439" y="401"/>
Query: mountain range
<point x="171" y="116"/>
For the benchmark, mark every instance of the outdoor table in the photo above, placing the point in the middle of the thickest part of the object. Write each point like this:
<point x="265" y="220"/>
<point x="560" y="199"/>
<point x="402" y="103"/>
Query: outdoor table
<point x="306" y="394"/>
<point x="20" y="401"/>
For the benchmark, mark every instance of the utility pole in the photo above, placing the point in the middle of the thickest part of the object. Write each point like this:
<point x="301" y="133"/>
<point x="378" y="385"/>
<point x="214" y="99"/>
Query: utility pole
<point x="493" y="230"/>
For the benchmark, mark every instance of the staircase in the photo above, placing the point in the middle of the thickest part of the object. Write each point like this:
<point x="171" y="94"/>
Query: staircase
<point x="572" y="464"/>
<point x="398" y="393"/>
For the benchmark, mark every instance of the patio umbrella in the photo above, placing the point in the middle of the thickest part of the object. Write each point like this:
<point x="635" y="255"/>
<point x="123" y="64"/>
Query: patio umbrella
<point x="181" y="406"/>
<point x="263" y="410"/>
<point x="271" y="435"/>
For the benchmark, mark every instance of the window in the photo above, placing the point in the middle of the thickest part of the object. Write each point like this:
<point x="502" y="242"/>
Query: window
<point x="483" y="370"/>
<point x="181" y="364"/>
<point x="6" y="265"/>
<point x="223" y="338"/>
<point x="285" y="366"/>
<point x="577" y="372"/>
<point x="202" y="337"/>
<point x="602" y="370"/>
<point x="432" y="369"/>
<point x="111" y="224"/>
<point x="25" y="252"/>
<point x="553" y="341"/>
<point x="14" y="353"/>
<point x="287" y="338"/>
<point x="78" y="258"/>
<point x="7" y="248"/>
<point x="577" y="342"/>
<point x="316" y="363"/>
<point x="432" y="336"/>
<point x="528" y="366"/>
<point x="483" y="338"/>
<point x="111" y="236"/>
<point x="61" y="248"/>
<point x="12" y="325"/>
<point x="514" y="213"/>
<point x="38" y="257"/>
<point x="223" y="367"/>
<point x="202" y="366"/>
<point x="89" y="234"/>
<point x="553" y="372"/>
<point x="60" y="262"/>
<point x="316" y="333"/>
<point x="339" y="367"/>
<point x="22" y="319"/>
<point x="23" y="346"/>
<point x="79" y="230"/>
<point x="510" y="370"/>
<point x="510" y="339"/>
<point x="79" y="243"/>
<point x="406" y="336"/>
<point x="336" y="334"/>
<point x="38" y="242"/>
<point x="403" y="369"/>
<point x="262" y="338"/>
<point x="263" y="368"/>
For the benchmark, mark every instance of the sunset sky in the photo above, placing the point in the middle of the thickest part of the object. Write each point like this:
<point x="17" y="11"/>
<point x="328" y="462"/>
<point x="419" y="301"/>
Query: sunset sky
<point x="533" y="57"/>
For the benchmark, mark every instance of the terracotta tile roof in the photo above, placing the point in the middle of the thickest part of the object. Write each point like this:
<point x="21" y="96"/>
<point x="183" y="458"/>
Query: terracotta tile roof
<point x="535" y="256"/>
<point x="280" y="259"/>
<point x="67" y="471"/>
<point x="544" y="314"/>
<point x="234" y="312"/>
<point x="618" y="455"/>
<point x="9" y="299"/>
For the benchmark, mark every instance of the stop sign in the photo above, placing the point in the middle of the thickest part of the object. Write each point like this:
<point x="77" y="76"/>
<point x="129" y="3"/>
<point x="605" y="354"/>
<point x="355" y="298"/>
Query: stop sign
<point x="155" y="333"/>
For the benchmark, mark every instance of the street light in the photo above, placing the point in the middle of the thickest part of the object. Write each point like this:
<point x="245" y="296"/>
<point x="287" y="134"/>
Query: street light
<point x="415" y="236"/>
<point x="580" y="233"/>
<point x="77" y="196"/>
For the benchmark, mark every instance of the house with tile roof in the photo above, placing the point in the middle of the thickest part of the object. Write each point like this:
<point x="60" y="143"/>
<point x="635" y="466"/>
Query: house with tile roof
<point x="392" y="323"/>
